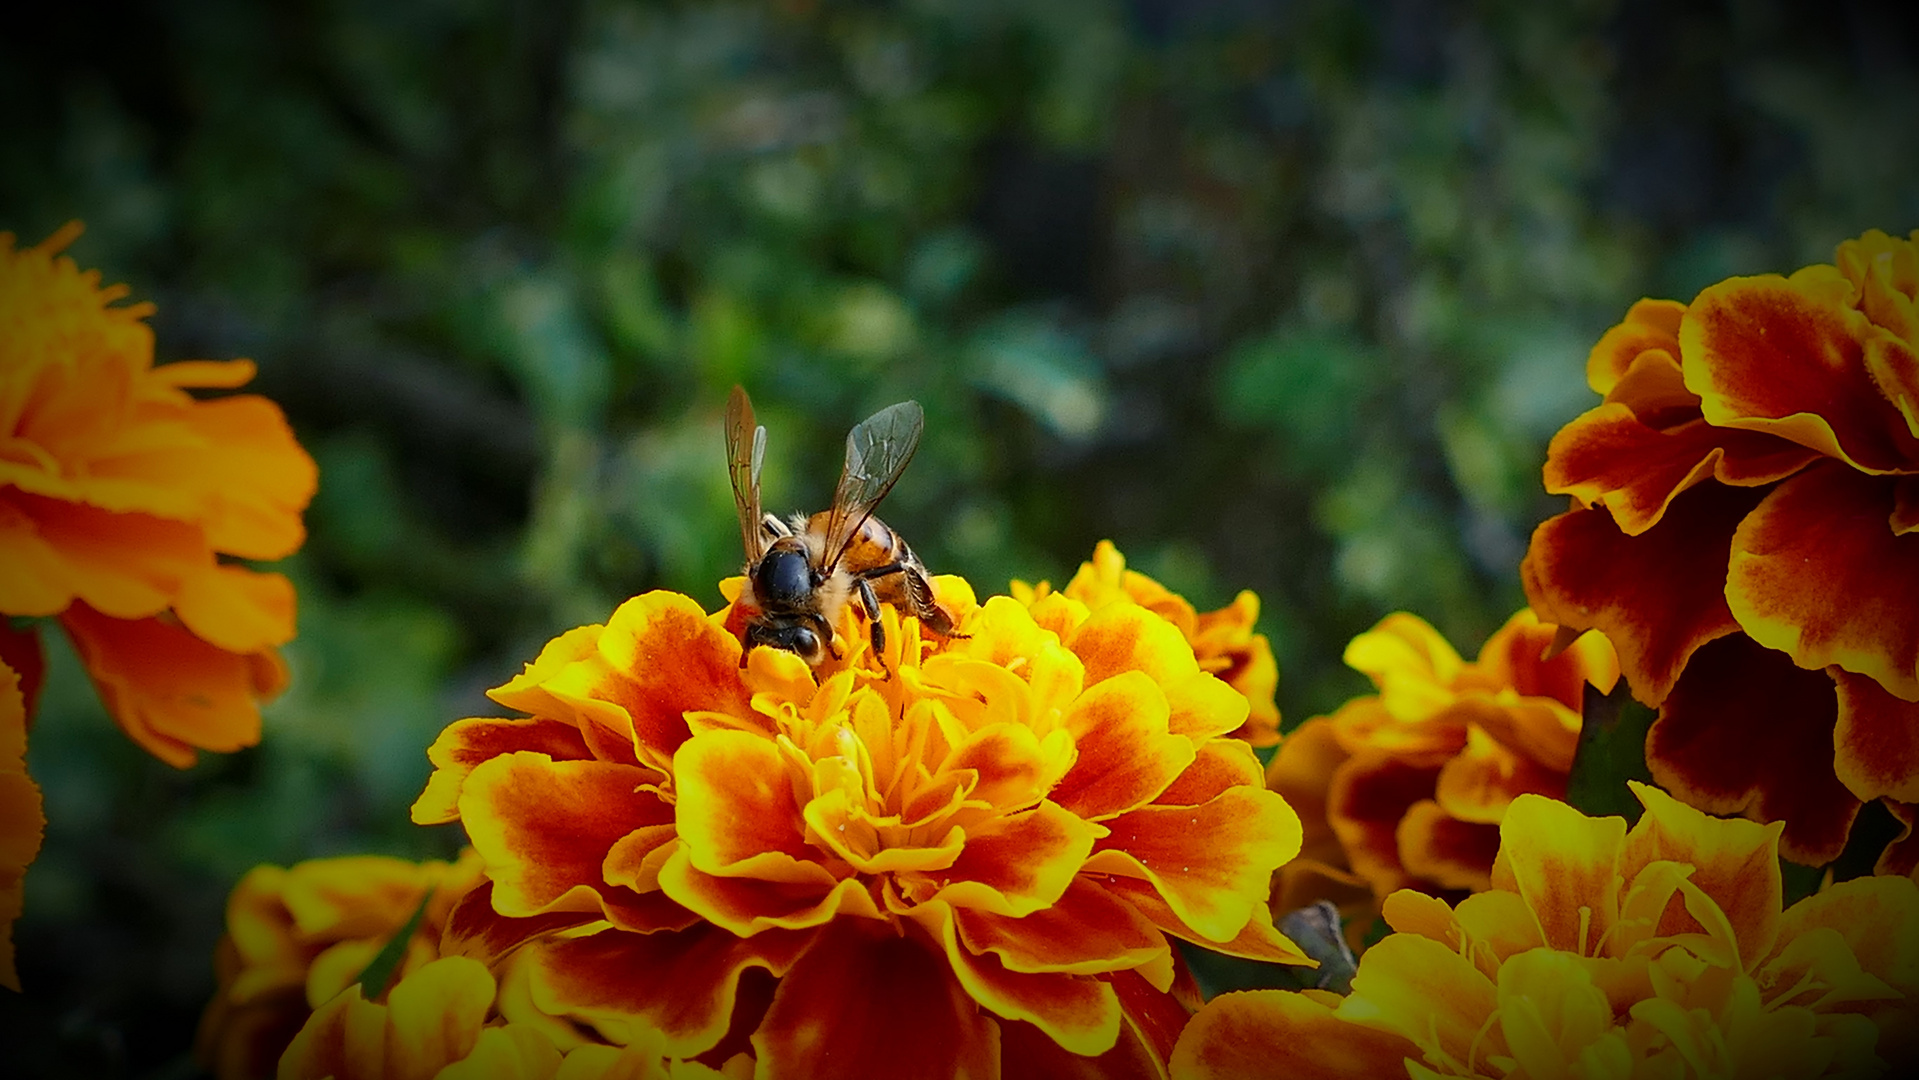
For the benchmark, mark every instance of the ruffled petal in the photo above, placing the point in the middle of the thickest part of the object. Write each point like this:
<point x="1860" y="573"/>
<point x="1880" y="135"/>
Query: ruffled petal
<point x="1126" y="754"/>
<point x="1252" y="1033"/>
<point x="1746" y="732"/>
<point x="1079" y="1013"/>
<point x="1650" y="327"/>
<point x="1088" y="931"/>
<point x="1415" y="985"/>
<point x="544" y="827"/>
<point x="1876" y="740"/>
<point x="866" y="1003"/>
<point x="1816" y="572"/>
<point x="689" y="992"/>
<point x="1021" y="862"/>
<point x="236" y="609"/>
<point x="1787" y="357"/>
<point x="1658" y="596"/>
<point x="1370" y="793"/>
<point x="1435" y="846"/>
<point x="1609" y="458"/>
<point x="170" y="691"/>
<point x="1124" y="637"/>
<point x="464" y="745"/>
<point x="128" y="566"/>
<point x="1214" y="887"/>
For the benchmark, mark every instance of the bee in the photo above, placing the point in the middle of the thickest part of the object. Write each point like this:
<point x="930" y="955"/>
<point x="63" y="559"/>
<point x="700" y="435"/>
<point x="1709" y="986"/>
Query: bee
<point x="802" y="572"/>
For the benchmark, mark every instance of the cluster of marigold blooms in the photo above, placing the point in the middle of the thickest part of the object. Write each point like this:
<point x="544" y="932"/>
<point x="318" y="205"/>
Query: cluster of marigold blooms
<point x="982" y="855"/>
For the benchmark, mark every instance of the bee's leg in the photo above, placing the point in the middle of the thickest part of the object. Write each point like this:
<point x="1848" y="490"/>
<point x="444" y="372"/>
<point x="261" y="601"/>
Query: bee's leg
<point x="826" y="634"/>
<point x="773" y="527"/>
<point x="870" y="602"/>
<point x="919" y="598"/>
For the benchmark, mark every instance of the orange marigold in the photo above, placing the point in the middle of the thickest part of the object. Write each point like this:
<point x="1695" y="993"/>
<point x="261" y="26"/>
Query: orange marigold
<point x="1223" y="641"/>
<point x="297" y="937"/>
<point x="440" y="1022"/>
<point x="123" y="499"/>
<point x="966" y="861"/>
<point x="22" y="821"/>
<point x="1743" y="528"/>
<point x="1601" y="952"/>
<point x="1407" y="787"/>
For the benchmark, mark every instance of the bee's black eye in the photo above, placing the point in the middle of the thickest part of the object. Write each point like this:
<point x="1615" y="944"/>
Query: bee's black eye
<point x="803" y="640"/>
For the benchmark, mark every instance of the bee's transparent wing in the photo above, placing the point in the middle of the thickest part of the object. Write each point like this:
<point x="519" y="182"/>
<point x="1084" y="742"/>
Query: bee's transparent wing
<point x="745" y="453"/>
<point x="877" y="452"/>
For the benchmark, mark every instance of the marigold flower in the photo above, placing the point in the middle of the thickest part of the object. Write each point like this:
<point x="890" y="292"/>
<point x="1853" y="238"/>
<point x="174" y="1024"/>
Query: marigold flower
<point x="123" y="500"/>
<point x="1743" y="529"/>
<point x="976" y="851"/>
<point x="439" y="1022"/>
<point x="22" y="820"/>
<point x="297" y="937"/>
<point x="1406" y="787"/>
<point x="1222" y="640"/>
<point x="1656" y="952"/>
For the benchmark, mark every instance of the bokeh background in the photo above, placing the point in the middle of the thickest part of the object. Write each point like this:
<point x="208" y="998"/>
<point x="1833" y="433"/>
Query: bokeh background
<point x="1282" y="296"/>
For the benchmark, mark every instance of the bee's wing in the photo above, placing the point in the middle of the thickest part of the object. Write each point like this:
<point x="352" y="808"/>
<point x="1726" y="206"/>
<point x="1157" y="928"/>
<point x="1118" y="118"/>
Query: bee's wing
<point x="877" y="451"/>
<point x="745" y="452"/>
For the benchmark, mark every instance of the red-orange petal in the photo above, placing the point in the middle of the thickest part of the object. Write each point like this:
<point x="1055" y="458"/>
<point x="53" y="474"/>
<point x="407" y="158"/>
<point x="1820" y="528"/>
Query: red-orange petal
<point x="20" y="649"/>
<point x="1787" y="356"/>
<point x="170" y="691"/>
<point x="1746" y="732"/>
<point x="1078" y="1012"/>
<point x="1876" y="742"/>
<point x="1215" y="886"/>
<point x="464" y="744"/>
<point x="1658" y="596"/>
<point x="865" y="1002"/>
<point x="1127" y="755"/>
<point x="544" y="827"/>
<point x="1438" y="847"/>
<point x="1260" y="1033"/>
<point x="1816" y="572"/>
<point x="1020" y="863"/>
<point x="1609" y="457"/>
<point x="1649" y="326"/>
<point x="1370" y="794"/>
<point x="688" y="991"/>
<point x="1087" y="931"/>
<point x="473" y="928"/>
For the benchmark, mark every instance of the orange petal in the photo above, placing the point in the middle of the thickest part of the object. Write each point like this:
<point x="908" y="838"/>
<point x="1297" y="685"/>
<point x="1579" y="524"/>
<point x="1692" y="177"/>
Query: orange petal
<point x="1815" y="572"/>
<point x="1658" y="596"/>
<point x="236" y="609"/>
<point x="1876" y="742"/>
<point x="20" y="649"/>
<point x="1088" y="931"/>
<point x="1021" y="862"/>
<point x="1655" y="390"/>
<point x="474" y="929"/>
<point x="808" y="896"/>
<point x="1609" y="457"/>
<point x="1520" y="655"/>
<point x="128" y="566"/>
<point x="1255" y="1033"/>
<point x="1746" y="732"/>
<point x="1479" y="782"/>
<point x="1259" y="939"/>
<point x="258" y="477"/>
<point x="1126" y="753"/>
<point x="1214" y="886"/>
<point x="464" y="744"/>
<point x="1787" y="357"/>
<point x="685" y="984"/>
<point x="1370" y="794"/>
<point x="544" y="827"/>
<point x="170" y="691"/>
<point x="1079" y="1013"/>
<point x="1650" y="326"/>
<point x="1124" y="637"/>
<point x="736" y="811"/>
<point x="1438" y="847"/>
<point x="1566" y="867"/>
<point x="1219" y="765"/>
<point x="869" y="1003"/>
<point x="1302" y="773"/>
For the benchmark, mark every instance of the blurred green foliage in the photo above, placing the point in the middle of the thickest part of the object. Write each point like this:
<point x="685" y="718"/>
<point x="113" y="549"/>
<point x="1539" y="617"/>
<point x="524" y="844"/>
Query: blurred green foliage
<point x="1285" y="297"/>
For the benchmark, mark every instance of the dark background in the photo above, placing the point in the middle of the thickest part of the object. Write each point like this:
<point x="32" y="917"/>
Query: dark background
<point x="1283" y="296"/>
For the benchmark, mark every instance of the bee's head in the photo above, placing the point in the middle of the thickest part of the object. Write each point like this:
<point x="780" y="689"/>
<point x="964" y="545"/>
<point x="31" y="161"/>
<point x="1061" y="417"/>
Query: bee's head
<point x="783" y="579"/>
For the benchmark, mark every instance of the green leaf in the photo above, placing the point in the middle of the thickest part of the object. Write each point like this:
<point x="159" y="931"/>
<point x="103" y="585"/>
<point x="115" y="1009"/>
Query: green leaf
<point x="380" y="970"/>
<point x="1612" y="750"/>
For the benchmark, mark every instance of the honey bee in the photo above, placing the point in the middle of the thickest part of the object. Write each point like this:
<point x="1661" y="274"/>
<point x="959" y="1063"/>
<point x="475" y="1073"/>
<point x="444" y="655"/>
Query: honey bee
<point x="802" y="572"/>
